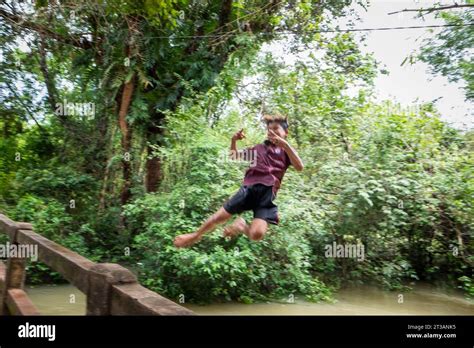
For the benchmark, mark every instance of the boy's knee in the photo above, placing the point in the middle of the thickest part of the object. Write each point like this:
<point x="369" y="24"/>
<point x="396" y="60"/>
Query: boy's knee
<point x="256" y="235"/>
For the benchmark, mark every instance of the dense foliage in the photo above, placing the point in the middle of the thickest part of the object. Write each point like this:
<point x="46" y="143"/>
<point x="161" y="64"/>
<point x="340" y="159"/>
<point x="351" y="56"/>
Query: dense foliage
<point x="450" y="53"/>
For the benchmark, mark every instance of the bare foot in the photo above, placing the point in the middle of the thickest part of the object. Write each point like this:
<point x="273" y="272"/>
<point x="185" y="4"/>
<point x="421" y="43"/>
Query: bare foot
<point x="237" y="227"/>
<point x="185" y="240"/>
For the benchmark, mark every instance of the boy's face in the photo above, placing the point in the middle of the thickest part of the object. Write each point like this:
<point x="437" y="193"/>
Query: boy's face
<point x="277" y="128"/>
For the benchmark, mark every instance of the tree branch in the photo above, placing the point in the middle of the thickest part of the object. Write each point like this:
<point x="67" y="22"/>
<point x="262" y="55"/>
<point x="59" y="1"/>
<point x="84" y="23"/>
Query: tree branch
<point x="47" y="75"/>
<point x="27" y="109"/>
<point x="18" y="21"/>
<point x="432" y="9"/>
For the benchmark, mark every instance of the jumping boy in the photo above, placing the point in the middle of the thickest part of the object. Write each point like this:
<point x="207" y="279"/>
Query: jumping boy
<point x="258" y="191"/>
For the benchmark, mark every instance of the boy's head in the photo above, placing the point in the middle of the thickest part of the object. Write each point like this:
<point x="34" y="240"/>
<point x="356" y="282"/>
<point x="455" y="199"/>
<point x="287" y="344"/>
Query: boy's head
<point x="277" y="123"/>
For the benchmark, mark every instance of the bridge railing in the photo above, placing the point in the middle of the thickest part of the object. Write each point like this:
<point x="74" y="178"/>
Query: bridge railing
<point x="110" y="289"/>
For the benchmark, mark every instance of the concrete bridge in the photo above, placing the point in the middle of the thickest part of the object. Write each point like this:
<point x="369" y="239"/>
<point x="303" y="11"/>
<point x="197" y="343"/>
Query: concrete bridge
<point x="110" y="288"/>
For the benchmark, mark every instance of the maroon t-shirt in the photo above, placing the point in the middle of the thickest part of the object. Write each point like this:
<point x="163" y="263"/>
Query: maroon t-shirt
<point x="269" y="166"/>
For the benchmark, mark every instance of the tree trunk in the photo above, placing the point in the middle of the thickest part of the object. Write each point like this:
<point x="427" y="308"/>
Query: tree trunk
<point x="49" y="79"/>
<point x="154" y="135"/>
<point x="125" y="100"/>
<point x="153" y="172"/>
<point x="106" y="173"/>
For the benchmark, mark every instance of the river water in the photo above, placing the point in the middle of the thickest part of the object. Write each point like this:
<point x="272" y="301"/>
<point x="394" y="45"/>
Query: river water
<point x="363" y="300"/>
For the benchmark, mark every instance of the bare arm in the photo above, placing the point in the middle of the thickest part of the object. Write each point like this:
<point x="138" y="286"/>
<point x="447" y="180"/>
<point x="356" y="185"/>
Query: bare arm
<point x="294" y="158"/>
<point x="233" y="144"/>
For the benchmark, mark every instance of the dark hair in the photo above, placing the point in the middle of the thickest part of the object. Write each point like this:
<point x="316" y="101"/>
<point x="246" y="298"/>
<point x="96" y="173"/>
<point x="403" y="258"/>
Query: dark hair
<point x="282" y="120"/>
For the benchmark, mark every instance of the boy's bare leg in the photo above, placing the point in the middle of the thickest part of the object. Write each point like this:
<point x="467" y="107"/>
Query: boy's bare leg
<point x="188" y="239"/>
<point x="238" y="226"/>
<point x="256" y="231"/>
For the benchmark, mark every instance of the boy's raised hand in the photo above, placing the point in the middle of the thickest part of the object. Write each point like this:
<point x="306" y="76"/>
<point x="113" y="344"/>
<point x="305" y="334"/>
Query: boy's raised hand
<point x="276" y="139"/>
<point x="239" y="135"/>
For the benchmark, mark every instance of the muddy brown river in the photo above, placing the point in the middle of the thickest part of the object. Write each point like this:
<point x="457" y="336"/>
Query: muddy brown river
<point x="364" y="300"/>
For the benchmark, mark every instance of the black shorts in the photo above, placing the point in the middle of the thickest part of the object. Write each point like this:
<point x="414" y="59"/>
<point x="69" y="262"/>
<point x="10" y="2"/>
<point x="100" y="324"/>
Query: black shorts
<point x="258" y="198"/>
